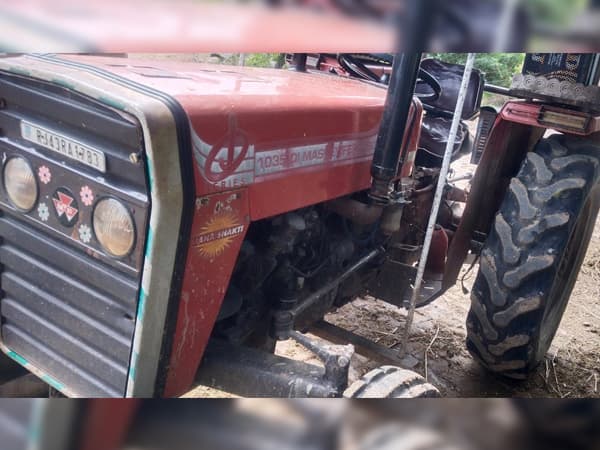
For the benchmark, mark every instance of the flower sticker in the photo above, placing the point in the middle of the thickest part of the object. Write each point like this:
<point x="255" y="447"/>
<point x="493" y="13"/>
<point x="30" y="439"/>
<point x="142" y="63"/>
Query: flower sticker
<point x="85" y="234"/>
<point x="87" y="196"/>
<point x="43" y="212"/>
<point x="44" y="174"/>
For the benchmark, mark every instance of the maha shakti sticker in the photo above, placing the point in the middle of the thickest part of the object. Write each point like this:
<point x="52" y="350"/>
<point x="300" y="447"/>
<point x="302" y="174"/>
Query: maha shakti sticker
<point x="218" y="234"/>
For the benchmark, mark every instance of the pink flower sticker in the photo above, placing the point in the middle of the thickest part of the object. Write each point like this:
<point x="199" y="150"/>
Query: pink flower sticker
<point x="44" y="174"/>
<point x="87" y="196"/>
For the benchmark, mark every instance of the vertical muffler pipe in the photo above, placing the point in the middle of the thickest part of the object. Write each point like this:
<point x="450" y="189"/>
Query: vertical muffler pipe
<point x="414" y="26"/>
<point x="393" y="125"/>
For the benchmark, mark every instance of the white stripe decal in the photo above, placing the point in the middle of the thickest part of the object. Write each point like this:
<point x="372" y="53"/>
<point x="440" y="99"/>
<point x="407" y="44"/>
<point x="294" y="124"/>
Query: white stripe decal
<point x="240" y="165"/>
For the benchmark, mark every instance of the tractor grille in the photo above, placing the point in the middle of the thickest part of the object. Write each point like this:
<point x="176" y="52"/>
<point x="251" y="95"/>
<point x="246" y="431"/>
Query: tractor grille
<point x="15" y="419"/>
<point x="66" y="308"/>
<point x="75" y="324"/>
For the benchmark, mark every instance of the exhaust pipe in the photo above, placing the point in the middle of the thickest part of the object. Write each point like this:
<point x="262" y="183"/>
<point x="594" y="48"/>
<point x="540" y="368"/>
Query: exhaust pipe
<point x="355" y="211"/>
<point x="393" y="126"/>
<point x="414" y="33"/>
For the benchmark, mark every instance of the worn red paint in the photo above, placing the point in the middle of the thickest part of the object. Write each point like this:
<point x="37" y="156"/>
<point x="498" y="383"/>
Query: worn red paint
<point x="105" y="423"/>
<point x="205" y="283"/>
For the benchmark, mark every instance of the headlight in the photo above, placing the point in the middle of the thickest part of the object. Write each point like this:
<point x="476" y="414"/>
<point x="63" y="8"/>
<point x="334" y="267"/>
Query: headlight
<point x="114" y="228"/>
<point x="20" y="183"/>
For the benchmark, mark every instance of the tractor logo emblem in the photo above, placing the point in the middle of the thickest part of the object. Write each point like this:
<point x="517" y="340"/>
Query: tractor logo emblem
<point x="66" y="207"/>
<point x="218" y="234"/>
<point x="227" y="154"/>
<point x="227" y="162"/>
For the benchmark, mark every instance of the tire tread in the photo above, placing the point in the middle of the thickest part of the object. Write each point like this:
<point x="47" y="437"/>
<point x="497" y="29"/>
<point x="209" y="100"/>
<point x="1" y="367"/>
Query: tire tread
<point x="521" y="256"/>
<point x="391" y="382"/>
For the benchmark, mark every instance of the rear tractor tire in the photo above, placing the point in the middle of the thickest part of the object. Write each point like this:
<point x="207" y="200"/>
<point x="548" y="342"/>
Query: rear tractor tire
<point x="391" y="382"/>
<point x="533" y="254"/>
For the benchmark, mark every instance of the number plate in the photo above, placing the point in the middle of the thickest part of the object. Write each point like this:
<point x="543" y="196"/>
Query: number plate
<point x="63" y="145"/>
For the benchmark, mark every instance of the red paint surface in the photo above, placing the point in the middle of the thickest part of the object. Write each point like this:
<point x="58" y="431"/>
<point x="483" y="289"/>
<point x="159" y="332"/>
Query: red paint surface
<point x="436" y="261"/>
<point x="195" y="26"/>
<point x="204" y="285"/>
<point x="106" y="423"/>
<point x="280" y="139"/>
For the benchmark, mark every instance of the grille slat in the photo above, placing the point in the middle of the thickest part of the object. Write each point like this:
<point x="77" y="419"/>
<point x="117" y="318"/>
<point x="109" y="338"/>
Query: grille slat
<point x="64" y="315"/>
<point x="88" y="358"/>
<point x="72" y="375"/>
<point x="58" y="311"/>
<point x="99" y="277"/>
<point x="68" y="288"/>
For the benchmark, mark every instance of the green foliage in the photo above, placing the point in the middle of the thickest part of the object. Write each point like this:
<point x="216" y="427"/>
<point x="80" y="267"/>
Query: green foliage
<point x="230" y="59"/>
<point x="259" y="59"/>
<point x="498" y="68"/>
<point x="555" y="11"/>
<point x="264" y="60"/>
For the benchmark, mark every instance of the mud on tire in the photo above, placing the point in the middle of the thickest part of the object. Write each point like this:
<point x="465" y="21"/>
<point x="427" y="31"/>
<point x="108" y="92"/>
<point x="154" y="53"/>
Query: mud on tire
<point x="531" y="259"/>
<point x="391" y="382"/>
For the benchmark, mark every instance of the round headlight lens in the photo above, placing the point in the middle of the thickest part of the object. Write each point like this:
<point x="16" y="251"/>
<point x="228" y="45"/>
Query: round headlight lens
<point x="20" y="183"/>
<point x="114" y="228"/>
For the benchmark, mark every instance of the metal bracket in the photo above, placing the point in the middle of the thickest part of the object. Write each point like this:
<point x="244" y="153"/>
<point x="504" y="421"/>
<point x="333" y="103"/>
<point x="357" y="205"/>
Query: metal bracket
<point x="336" y="358"/>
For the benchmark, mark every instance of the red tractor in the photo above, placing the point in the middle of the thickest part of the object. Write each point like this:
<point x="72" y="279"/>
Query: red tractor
<point x="164" y="224"/>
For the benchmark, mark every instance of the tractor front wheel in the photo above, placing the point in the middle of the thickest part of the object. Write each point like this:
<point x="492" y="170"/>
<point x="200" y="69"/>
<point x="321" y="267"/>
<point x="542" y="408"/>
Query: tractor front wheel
<point x="533" y="254"/>
<point x="391" y="382"/>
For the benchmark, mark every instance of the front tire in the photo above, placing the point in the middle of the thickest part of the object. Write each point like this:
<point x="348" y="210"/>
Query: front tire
<point x="532" y="257"/>
<point x="391" y="382"/>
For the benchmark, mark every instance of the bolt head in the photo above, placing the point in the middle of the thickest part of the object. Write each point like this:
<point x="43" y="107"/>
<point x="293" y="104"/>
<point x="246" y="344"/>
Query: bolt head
<point x="343" y="361"/>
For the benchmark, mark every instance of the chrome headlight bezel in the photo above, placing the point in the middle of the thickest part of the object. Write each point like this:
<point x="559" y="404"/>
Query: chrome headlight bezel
<point x="104" y="237"/>
<point x="10" y="194"/>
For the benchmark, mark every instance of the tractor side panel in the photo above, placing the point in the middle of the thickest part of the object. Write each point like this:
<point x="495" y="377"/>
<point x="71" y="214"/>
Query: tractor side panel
<point x="220" y="225"/>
